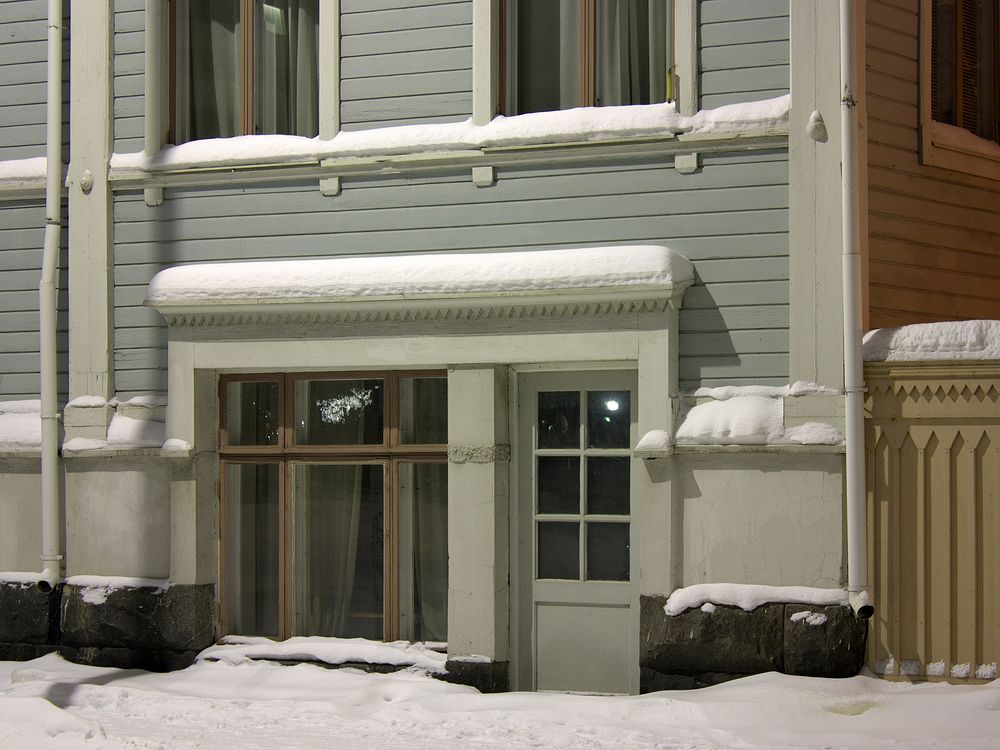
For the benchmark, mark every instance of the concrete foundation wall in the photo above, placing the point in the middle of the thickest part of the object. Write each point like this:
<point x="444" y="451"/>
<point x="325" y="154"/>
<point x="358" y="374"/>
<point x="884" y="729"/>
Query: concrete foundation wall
<point x="118" y="517"/>
<point x="20" y="515"/>
<point x="774" y="519"/>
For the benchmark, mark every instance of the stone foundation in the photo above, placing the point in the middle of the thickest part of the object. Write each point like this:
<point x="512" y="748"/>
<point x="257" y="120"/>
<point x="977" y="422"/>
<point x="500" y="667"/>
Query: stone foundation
<point x="29" y="621"/>
<point x="143" y="627"/>
<point x="698" y="648"/>
<point x="484" y="676"/>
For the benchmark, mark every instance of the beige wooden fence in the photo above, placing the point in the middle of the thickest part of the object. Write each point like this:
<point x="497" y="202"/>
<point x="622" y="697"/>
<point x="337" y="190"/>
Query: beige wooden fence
<point x="933" y="463"/>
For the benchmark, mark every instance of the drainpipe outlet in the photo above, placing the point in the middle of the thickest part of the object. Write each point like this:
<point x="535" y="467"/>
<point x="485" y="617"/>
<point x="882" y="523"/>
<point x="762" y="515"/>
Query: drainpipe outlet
<point x="47" y="580"/>
<point x="861" y="604"/>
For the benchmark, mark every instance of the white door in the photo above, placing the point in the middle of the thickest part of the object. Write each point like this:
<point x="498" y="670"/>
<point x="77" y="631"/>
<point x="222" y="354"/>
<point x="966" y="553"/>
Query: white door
<point x="576" y="556"/>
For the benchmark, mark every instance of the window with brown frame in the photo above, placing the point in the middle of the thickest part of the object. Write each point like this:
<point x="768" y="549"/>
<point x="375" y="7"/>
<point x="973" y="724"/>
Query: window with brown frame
<point x="561" y="54"/>
<point x="334" y="505"/>
<point x="965" y="65"/>
<point x="242" y="67"/>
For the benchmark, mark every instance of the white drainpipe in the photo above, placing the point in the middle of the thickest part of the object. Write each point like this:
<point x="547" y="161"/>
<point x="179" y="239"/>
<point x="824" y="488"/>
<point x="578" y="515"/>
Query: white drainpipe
<point x="854" y="381"/>
<point x="47" y="308"/>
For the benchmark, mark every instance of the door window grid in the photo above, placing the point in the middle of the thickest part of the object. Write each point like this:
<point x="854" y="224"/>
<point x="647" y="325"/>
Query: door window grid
<point x="572" y="542"/>
<point x="414" y="594"/>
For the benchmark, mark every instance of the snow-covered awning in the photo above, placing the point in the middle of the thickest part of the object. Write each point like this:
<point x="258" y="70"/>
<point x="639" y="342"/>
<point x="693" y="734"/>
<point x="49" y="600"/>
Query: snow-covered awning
<point x="590" y="275"/>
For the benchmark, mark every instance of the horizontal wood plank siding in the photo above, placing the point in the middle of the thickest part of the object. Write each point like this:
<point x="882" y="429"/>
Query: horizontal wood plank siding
<point x="23" y="32"/>
<point x="743" y="53"/>
<point x="129" y="75"/>
<point x="730" y="219"/>
<point x="405" y="62"/>
<point x="22" y="228"/>
<point x="934" y="234"/>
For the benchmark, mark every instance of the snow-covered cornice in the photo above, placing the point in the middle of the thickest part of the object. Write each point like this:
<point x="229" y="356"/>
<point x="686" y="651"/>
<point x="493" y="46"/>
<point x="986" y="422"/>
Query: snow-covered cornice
<point x="546" y="282"/>
<point x="534" y="136"/>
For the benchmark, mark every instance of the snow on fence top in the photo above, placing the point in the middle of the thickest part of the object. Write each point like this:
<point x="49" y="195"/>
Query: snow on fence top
<point x="430" y="275"/>
<point x="565" y="126"/>
<point x="962" y="339"/>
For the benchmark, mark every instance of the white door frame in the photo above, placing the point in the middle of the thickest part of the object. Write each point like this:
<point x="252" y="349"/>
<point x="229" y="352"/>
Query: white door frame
<point x="523" y="658"/>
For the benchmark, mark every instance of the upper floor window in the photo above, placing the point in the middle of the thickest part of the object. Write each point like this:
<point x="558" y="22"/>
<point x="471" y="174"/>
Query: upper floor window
<point x="581" y="53"/>
<point x="965" y="66"/>
<point x="240" y="67"/>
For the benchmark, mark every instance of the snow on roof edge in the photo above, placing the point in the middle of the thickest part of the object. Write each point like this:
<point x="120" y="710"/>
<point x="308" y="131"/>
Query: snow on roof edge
<point x="430" y="275"/>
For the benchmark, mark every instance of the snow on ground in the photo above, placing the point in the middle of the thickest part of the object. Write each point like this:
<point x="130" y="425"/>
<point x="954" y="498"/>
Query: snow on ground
<point x="49" y="704"/>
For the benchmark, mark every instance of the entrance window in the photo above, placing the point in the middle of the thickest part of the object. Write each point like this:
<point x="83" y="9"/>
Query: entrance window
<point x="334" y="505"/>
<point x="240" y="67"/>
<point x="584" y="53"/>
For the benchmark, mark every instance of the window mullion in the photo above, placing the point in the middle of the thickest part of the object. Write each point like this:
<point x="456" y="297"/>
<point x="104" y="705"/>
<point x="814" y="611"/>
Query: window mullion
<point x="390" y="570"/>
<point x="247" y="36"/>
<point x="588" y="53"/>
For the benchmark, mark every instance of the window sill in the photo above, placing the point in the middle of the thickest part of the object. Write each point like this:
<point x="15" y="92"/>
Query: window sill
<point x="954" y="148"/>
<point x="584" y="133"/>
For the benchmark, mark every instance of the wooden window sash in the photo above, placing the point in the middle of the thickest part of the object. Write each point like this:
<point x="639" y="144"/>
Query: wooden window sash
<point x="390" y="455"/>
<point x="588" y="53"/>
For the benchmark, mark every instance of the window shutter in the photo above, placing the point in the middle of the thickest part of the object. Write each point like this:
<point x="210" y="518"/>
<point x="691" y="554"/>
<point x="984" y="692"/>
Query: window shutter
<point x="968" y="66"/>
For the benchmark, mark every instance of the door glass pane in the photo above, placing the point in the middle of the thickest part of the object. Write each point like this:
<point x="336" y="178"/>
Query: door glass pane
<point x="558" y="484"/>
<point x="251" y="548"/>
<point x="559" y="419"/>
<point x="607" y="551"/>
<point x="423" y="410"/>
<point x="608" y="485"/>
<point x="559" y="550"/>
<point x="252" y="413"/>
<point x="338" y="550"/>
<point x="607" y="419"/>
<point x="424" y="491"/>
<point x="338" y="412"/>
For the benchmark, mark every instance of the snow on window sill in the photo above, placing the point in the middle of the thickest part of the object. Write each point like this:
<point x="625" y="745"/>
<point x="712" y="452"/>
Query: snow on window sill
<point x="354" y="150"/>
<point x="959" y="150"/>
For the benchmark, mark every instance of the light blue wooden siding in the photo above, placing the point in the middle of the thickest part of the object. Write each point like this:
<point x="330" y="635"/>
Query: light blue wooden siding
<point x="129" y="75"/>
<point x="21" y="233"/>
<point x="730" y="219"/>
<point x="23" y="32"/>
<point x="743" y="55"/>
<point x="405" y="62"/>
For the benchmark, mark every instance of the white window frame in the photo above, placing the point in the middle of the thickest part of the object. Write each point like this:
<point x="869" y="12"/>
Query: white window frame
<point x="486" y="57"/>
<point x="157" y="72"/>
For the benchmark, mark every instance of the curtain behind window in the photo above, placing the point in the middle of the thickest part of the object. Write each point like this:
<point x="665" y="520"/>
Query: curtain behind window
<point x="631" y="52"/>
<point x="207" y="71"/>
<point x="286" y="75"/>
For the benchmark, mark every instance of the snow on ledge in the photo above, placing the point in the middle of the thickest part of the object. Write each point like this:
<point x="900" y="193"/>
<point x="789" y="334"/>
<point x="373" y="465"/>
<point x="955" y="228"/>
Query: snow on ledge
<point x="240" y="649"/>
<point x="565" y="126"/>
<point x="427" y="275"/>
<point x="750" y="596"/>
<point x="753" y="415"/>
<point x="22" y="578"/>
<point x="96" y="589"/>
<point x="923" y="342"/>
<point x="20" y="425"/>
<point x="18" y="172"/>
